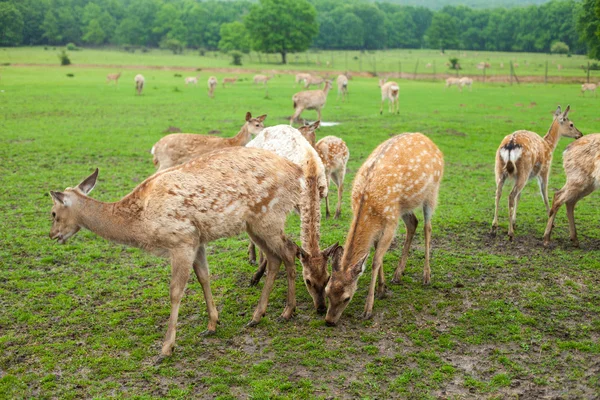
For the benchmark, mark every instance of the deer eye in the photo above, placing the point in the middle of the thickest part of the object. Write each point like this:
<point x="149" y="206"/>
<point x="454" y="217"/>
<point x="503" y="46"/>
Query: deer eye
<point x="53" y="214"/>
<point x="347" y="299"/>
<point x="571" y="124"/>
<point x="308" y="282"/>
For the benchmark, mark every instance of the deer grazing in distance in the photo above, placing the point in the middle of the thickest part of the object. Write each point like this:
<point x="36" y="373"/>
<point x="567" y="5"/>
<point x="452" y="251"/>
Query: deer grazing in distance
<point x="581" y="162"/>
<point x="178" y="148"/>
<point x="139" y="83"/>
<point x="310" y="100"/>
<point x="264" y="79"/>
<point x="313" y="81"/>
<point x="342" y="84"/>
<point x="176" y="213"/>
<point x="301" y="77"/>
<point x="401" y="174"/>
<point x="191" y="80"/>
<point x="465" y="81"/>
<point x="212" y="84"/>
<point x="588" y="87"/>
<point x="389" y="91"/>
<point x="524" y="155"/>
<point x="229" y="80"/>
<point x="113" y="77"/>
<point x="452" y="81"/>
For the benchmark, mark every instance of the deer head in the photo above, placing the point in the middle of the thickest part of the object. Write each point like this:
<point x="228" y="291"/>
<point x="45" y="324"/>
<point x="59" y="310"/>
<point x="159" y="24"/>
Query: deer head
<point x="315" y="274"/>
<point x="64" y="217"/>
<point x="566" y="127"/>
<point x="308" y="131"/>
<point x="255" y="125"/>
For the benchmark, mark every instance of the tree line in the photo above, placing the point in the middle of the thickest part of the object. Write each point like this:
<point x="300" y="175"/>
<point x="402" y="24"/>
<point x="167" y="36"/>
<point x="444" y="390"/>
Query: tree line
<point x="287" y="26"/>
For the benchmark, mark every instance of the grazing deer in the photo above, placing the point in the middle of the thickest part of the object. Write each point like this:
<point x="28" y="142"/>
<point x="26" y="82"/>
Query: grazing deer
<point x="389" y="92"/>
<point x="178" y="148"/>
<point x="310" y="100"/>
<point x="191" y="80"/>
<point x="301" y="77"/>
<point x="452" y="81"/>
<point x="313" y="81"/>
<point x="212" y="84"/>
<point x="176" y="213"/>
<point x="588" y="86"/>
<point x="401" y="174"/>
<point x="229" y="80"/>
<point x="342" y="84"/>
<point x="264" y="79"/>
<point x="113" y="77"/>
<point x="464" y="81"/>
<point x="581" y="161"/>
<point x="139" y="83"/>
<point x="334" y="153"/>
<point x="524" y="155"/>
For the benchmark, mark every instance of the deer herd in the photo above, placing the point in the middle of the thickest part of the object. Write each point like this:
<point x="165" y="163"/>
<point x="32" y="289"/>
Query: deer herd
<point x="207" y="187"/>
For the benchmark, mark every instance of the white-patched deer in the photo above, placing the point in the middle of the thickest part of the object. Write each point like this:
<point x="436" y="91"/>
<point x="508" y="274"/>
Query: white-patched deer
<point x="301" y="77"/>
<point x="400" y="175"/>
<point x="113" y="77"/>
<point x="177" y="212"/>
<point x="524" y="155"/>
<point x="310" y="100"/>
<point x="178" y="148"/>
<point x="342" y="84"/>
<point x="212" y="84"/>
<point x="191" y="80"/>
<point x="389" y="91"/>
<point x="139" y="83"/>
<point x="581" y="161"/>
<point x="591" y="87"/>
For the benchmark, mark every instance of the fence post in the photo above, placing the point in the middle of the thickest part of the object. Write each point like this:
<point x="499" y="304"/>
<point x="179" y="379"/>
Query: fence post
<point x="484" y="68"/>
<point x="511" y="73"/>
<point x="375" y="64"/>
<point x="588" y="73"/>
<point x="400" y="69"/>
<point x="434" y="74"/>
<point x="360" y="62"/>
<point x="546" y="74"/>
<point x="416" y="67"/>
<point x="346" y="52"/>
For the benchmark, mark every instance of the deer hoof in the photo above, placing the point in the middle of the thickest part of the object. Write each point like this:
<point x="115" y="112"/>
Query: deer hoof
<point x="158" y="360"/>
<point x="252" y="324"/>
<point x="367" y="315"/>
<point x="208" y="332"/>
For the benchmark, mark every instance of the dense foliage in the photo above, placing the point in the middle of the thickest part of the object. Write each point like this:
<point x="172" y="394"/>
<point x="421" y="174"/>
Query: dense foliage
<point x="354" y="24"/>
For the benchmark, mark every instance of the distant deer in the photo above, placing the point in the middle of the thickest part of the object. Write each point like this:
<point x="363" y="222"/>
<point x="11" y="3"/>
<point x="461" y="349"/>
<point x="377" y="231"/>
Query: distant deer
<point x="581" y="161"/>
<point x="401" y="174"/>
<point x="313" y="81"/>
<point x="310" y="100"/>
<point x="178" y="148"/>
<point x="588" y="87"/>
<point x="191" y="80"/>
<point x="452" y="81"/>
<point x="389" y="92"/>
<point x="212" y="84"/>
<point x="301" y="77"/>
<point x="559" y="67"/>
<point x="229" y="80"/>
<point x="334" y="153"/>
<point x="464" y="81"/>
<point x="113" y="77"/>
<point x="139" y="83"/>
<point x="176" y="213"/>
<point x="524" y="155"/>
<point x="264" y="79"/>
<point x="342" y="84"/>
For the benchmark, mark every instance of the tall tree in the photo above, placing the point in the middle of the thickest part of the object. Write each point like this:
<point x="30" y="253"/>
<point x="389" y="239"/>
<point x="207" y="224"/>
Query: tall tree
<point x="11" y="25"/>
<point x="234" y="36"/>
<point x="442" y="33"/>
<point x="282" y="26"/>
<point x="588" y="25"/>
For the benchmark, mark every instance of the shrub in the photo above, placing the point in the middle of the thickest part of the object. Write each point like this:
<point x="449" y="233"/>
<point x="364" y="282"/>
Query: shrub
<point x="128" y="48"/>
<point x="559" y="48"/>
<point x="145" y="49"/>
<point x="71" y="75"/>
<point x="72" y="47"/>
<point x="454" y="63"/>
<point x="64" y="58"/>
<point x="236" y="57"/>
<point x="172" y="44"/>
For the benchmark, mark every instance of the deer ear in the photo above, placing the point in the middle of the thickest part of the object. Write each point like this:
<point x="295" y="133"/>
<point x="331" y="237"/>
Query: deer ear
<point x="261" y="118"/>
<point x="58" y="197"/>
<point x="359" y="267"/>
<point x="315" y="125"/>
<point x="301" y="253"/>
<point x="557" y="112"/>
<point x="566" y="113"/>
<point x="328" y="252"/>
<point x="88" y="183"/>
<point x="248" y="116"/>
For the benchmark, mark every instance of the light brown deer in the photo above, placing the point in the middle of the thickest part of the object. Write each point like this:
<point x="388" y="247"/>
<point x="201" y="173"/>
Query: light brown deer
<point x="452" y="81"/>
<point x="301" y="77"/>
<point x="389" y="91"/>
<point x="212" y="84"/>
<point x="113" y="77"/>
<point x="465" y="81"/>
<point x="581" y="161"/>
<point x="524" y="155"/>
<point x="588" y="87"/>
<point x="191" y="80"/>
<point x="177" y="212"/>
<point x="229" y="80"/>
<point x="401" y="174"/>
<point x="310" y="100"/>
<point x="178" y="148"/>
<point x="342" y="84"/>
<point x="334" y="153"/>
<point x="264" y="79"/>
<point x="313" y="81"/>
<point x="139" y="83"/>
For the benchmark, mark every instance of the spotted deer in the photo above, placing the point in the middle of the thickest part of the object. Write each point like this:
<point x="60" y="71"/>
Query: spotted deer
<point x="401" y="174"/>
<point x="389" y="92"/>
<point x="178" y="148"/>
<point x="176" y="213"/>
<point x="524" y="155"/>
<point x="212" y="84"/>
<point x="310" y="100"/>
<point x="581" y="162"/>
<point x="301" y="77"/>
<point x="229" y="80"/>
<point x="588" y="87"/>
<point x="113" y="77"/>
<point x="342" y="84"/>
<point x="139" y="83"/>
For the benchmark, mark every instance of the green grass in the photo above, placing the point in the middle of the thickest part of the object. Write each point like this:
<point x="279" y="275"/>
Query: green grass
<point x="87" y="319"/>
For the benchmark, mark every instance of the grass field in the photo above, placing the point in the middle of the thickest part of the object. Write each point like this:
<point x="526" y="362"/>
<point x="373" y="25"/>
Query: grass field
<point x="87" y="319"/>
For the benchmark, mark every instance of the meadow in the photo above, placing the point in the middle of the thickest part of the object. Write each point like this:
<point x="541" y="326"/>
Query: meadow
<point x="86" y="319"/>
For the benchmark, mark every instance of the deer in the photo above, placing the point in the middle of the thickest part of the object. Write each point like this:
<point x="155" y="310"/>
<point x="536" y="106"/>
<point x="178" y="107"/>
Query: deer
<point x="191" y="80"/>
<point x="289" y="143"/>
<point x="401" y="174"/>
<point x="178" y="148"/>
<point x="113" y="77"/>
<point x="229" y="80"/>
<point x="301" y="77"/>
<point x="452" y="81"/>
<point x="139" y="83"/>
<point x="524" y="155"/>
<point x="313" y="81"/>
<point x="176" y="213"/>
<point x="212" y="84"/>
<point x="342" y="84"/>
<point x="310" y="100"/>
<point x="264" y="79"/>
<point x="389" y="92"/>
<point x="581" y="162"/>
<point x="588" y="86"/>
<point x="465" y="81"/>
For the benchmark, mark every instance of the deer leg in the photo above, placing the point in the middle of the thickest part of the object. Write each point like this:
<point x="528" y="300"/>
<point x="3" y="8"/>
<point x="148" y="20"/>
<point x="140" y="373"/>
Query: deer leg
<point x="543" y="184"/>
<point x="557" y="201"/>
<point x="262" y="267"/>
<point x="499" y="184"/>
<point x="411" y="222"/>
<point x="327" y="215"/>
<point x="340" y="186"/>
<point x="252" y="253"/>
<point x="181" y="262"/>
<point x="571" y="218"/>
<point x="513" y="200"/>
<point x="427" y="213"/>
<point x="319" y="112"/>
<point x="201" y="270"/>
<point x="297" y="113"/>
<point x="382" y="245"/>
<point x="381" y="108"/>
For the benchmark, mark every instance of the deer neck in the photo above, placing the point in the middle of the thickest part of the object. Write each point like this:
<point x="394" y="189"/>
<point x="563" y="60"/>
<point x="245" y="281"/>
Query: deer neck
<point x="553" y="135"/>
<point x="358" y="242"/>
<point x="242" y="138"/>
<point x="310" y="214"/>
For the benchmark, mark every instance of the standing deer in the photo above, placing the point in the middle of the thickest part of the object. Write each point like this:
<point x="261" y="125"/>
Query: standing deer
<point x="301" y="77"/>
<point x="264" y="79"/>
<point x="452" y="81"/>
<point x="212" y="84"/>
<point x="401" y="174"/>
<point x="313" y="81"/>
<point x="588" y="86"/>
<point x="465" y="81"/>
<point x="334" y="153"/>
<point x="229" y="80"/>
<point x="581" y="161"/>
<point x="342" y="84"/>
<point x="139" y="83"/>
<point x="176" y="213"/>
<point x="310" y="100"/>
<point x="178" y="148"/>
<point x="524" y="155"/>
<point x="191" y="80"/>
<point x="113" y="77"/>
<point x="389" y="91"/>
